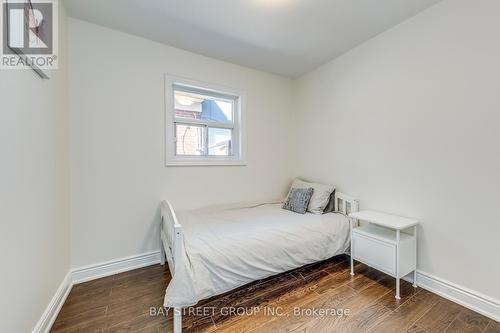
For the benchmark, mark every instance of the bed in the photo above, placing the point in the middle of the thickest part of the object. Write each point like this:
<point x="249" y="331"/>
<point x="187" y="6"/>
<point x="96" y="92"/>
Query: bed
<point x="220" y="248"/>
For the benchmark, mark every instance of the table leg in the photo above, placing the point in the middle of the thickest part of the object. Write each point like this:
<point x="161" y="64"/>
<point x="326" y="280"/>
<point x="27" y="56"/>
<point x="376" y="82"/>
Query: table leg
<point x="397" y="263"/>
<point x="351" y="221"/>
<point x="415" y="271"/>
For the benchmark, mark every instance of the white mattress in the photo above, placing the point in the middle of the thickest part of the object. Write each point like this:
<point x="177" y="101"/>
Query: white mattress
<point x="227" y="247"/>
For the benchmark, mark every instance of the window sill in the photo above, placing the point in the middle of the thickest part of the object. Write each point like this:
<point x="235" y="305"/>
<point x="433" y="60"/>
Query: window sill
<point x="212" y="162"/>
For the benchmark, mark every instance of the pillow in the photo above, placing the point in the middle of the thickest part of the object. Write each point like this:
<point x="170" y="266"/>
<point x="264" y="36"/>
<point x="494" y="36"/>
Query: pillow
<point x="320" y="197"/>
<point x="298" y="199"/>
<point x="330" y="207"/>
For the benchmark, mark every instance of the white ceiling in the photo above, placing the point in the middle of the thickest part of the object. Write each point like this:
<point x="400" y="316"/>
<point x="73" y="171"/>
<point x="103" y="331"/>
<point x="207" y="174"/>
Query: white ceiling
<point x="287" y="37"/>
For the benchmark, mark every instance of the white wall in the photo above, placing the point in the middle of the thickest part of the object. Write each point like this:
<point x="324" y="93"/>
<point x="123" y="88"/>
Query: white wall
<point x="117" y="111"/>
<point x="34" y="190"/>
<point x="408" y="122"/>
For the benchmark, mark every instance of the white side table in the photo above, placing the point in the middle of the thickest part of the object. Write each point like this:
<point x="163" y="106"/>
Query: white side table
<point x="381" y="244"/>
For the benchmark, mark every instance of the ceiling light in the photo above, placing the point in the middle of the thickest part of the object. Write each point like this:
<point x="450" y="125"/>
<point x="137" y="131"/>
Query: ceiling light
<point x="271" y="2"/>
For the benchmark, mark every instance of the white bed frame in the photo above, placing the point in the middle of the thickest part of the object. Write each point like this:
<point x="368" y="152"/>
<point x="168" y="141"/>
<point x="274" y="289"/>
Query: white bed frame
<point x="343" y="204"/>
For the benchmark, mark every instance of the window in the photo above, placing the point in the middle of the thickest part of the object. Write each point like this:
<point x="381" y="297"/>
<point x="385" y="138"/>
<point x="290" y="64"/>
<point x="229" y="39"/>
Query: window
<point x="203" y="124"/>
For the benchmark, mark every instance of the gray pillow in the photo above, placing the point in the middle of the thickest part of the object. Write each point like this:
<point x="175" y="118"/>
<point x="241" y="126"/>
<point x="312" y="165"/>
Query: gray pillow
<point x="330" y="207"/>
<point x="298" y="199"/>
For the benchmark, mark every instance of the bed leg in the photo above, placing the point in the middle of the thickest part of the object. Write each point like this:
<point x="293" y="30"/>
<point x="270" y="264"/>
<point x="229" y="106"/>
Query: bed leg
<point x="162" y="254"/>
<point x="177" y="320"/>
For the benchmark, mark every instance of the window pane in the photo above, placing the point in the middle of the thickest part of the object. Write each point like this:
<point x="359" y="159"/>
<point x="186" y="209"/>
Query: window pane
<point x="196" y="106"/>
<point x="219" y="141"/>
<point x="189" y="139"/>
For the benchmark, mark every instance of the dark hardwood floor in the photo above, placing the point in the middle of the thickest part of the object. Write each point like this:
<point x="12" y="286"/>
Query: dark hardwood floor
<point x="132" y="302"/>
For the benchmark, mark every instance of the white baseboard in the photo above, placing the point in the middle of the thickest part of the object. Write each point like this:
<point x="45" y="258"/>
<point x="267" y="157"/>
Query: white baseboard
<point x="88" y="273"/>
<point x="111" y="267"/>
<point x="55" y="305"/>
<point x="473" y="300"/>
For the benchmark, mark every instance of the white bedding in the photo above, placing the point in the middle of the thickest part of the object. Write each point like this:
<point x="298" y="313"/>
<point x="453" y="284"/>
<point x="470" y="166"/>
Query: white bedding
<point x="227" y="247"/>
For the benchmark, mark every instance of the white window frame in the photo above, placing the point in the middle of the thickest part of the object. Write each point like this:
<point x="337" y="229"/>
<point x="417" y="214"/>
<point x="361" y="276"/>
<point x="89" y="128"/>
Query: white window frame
<point x="238" y="135"/>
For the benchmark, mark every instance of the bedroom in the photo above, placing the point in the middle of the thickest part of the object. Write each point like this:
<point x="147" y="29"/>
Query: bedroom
<point x="212" y="110"/>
